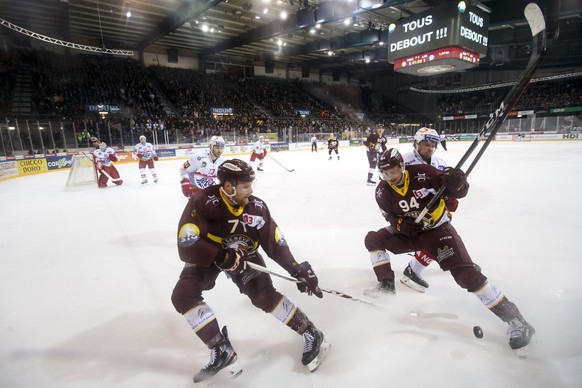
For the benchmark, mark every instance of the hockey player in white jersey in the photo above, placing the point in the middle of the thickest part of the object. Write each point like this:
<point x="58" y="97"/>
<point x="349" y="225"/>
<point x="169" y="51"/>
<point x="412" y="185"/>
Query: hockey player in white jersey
<point x="199" y="172"/>
<point x="259" y="152"/>
<point x="146" y="154"/>
<point x="426" y="141"/>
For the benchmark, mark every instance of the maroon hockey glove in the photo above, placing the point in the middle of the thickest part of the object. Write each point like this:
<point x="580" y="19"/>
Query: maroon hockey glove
<point x="309" y="284"/>
<point x="407" y="226"/>
<point x="187" y="187"/>
<point x="140" y="155"/>
<point x="453" y="179"/>
<point x="156" y="158"/>
<point x="232" y="261"/>
<point x="113" y="157"/>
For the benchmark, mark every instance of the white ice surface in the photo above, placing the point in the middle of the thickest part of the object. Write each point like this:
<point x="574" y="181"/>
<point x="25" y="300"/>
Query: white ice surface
<point x="86" y="280"/>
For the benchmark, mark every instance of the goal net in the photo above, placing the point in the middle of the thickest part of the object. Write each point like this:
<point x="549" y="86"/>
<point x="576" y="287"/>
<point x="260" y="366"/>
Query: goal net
<point x="82" y="175"/>
<point x="521" y="137"/>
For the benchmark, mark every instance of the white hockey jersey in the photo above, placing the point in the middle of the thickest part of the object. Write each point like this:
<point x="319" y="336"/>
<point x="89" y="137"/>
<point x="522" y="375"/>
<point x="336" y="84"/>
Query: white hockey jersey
<point x="259" y="147"/>
<point x="146" y="150"/>
<point x="103" y="156"/>
<point x="414" y="157"/>
<point x="200" y="169"/>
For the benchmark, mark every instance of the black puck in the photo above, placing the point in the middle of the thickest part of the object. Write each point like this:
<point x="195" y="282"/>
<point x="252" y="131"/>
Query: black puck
<point x="478" y="332"/>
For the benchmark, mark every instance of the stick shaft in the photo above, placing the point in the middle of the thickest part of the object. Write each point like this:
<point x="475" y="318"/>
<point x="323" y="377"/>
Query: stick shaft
<point x="260" y="268"/>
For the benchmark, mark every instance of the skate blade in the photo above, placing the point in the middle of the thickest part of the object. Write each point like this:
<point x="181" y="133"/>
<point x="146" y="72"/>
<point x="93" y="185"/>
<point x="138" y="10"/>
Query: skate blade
<point x="229" y="372"/>
<point x="412" y="285"/>
<point x="316" y="363"/>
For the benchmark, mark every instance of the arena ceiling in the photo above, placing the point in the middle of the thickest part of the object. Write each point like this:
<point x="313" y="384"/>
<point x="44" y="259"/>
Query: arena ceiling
<point x="250" y="32"/>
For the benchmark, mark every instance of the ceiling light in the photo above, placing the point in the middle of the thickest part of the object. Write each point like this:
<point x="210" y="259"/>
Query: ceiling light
<point x="347" y="22"/>
<point x="284" y="15"/>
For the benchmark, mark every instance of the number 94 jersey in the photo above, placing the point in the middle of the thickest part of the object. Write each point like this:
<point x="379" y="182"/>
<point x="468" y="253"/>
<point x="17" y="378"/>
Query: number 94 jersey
<point x="210" y="223"/>
<point x="421" y="182"/>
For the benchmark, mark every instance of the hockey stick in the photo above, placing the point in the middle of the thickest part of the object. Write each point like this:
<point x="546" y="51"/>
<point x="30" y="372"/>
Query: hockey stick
<point x="269" y="155"/>
<point x="537" y="24"/>
<point x="260" y="268"/>
<point x="101" y="171"/>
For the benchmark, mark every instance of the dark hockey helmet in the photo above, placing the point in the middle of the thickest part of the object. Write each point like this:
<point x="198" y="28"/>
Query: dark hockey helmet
<point x="390" y="158"/>
<point x="235" y="170"/>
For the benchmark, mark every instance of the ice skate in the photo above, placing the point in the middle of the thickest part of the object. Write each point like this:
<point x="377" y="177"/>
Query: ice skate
<point x="520" y="333"/>
<point x="371" y="182"/>
<point x="223" y="359"/>
<point x="385" y="287"/>
<point x="413" y="280"/>
<point x="260" y="169"/>
<point x="155" y="180"/>
<point x="144" y="181"/>
<point x="315" y="348"/>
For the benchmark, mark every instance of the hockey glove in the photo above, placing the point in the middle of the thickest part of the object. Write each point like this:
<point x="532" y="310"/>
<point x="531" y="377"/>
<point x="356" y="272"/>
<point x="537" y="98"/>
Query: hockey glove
<point x="453" y="179"/>
<point x="232" y="261"/>
<point x="407" y="226"/>
<point x="156" y="158"/>
<point x="309" y="283"/>
<point x="186" y="187"/>
<point x="113" y="157"/>
<point x="140" y="155"/>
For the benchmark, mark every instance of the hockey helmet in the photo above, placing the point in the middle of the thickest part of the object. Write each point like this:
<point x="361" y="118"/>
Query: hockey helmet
<point x="142" y="137"/>
<point x="216" y="141"/>
<point x="103" y="146"/>
<point x="234" y="170"/>
<point x="427" y="134"/>
<point x="390" y="158"/>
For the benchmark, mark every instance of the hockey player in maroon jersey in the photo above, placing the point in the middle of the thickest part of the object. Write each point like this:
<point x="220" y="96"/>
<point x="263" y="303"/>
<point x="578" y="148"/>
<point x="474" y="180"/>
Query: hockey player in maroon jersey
<point x="332" y="146"/>
<point x="221" y="229"/>
<point x="402" y="195"/>
<point x="375" y="144"/>
<point x="104" y="156"/>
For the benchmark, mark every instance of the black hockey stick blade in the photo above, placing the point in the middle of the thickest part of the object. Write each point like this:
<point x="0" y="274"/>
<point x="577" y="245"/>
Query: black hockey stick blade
<point x="290" y="170"/>
<point x="537" y="24"/>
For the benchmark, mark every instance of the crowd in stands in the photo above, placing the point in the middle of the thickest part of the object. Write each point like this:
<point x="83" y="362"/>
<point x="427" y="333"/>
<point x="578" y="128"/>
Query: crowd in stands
<point x="180" y="102"/>
<point x="538" y="96"/>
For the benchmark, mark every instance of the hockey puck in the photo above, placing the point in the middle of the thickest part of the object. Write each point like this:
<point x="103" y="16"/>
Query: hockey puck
<point x="478" y="332"/>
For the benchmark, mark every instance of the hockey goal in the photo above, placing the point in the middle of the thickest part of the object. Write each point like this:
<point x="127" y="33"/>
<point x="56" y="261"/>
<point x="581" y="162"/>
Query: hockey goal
<point x="521" y="137"/>
<point x="82" y="175"/>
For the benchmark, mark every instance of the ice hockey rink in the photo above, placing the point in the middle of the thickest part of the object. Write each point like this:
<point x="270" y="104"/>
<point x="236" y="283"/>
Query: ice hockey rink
<point x="87" y="276"/>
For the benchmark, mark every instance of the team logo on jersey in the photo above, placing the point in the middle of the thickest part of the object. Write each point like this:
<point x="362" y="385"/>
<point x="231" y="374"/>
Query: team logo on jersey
<point x="213" y="199"/>
<point x="239" y="241"/>
<point x="188" y="235"/>
<point x="258" y="203"/>
<point x="444" y="253"/>
<point x="279" y="238"/>
<point x="423" y="192"/>
<point x="420" y="177"/>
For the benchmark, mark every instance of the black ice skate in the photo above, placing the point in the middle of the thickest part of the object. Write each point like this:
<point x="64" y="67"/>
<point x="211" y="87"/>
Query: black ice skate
<point x="315" y="348"/>
<point x="520" y="333"/>
<point x="144" y="181"/>
<point x="260" y="169"/>
<point x="385" y="287"/>
<point x="413" y="280"/>
<point x="371" y="182"/>
<point x="222" y="357"/>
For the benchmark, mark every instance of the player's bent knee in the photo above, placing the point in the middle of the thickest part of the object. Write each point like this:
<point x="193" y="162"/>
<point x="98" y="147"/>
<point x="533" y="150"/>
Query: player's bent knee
<point x="184" y="301"/>
<point x="373" y="241"/>
<point x="469" y="278"/>
<point x="266" y="299"/>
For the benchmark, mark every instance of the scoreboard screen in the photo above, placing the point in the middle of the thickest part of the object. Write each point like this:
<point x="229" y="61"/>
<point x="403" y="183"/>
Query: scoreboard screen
<point x="452" y="24"/>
